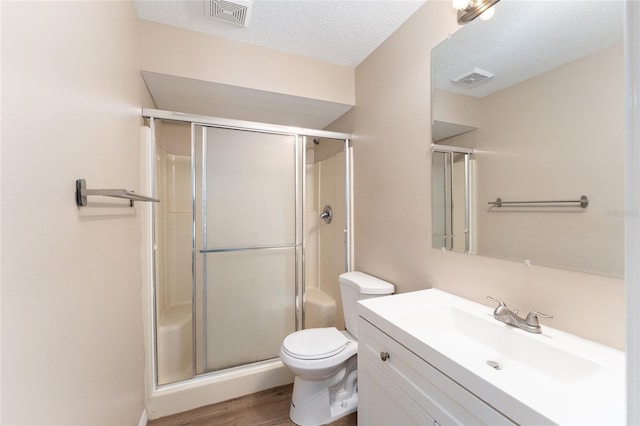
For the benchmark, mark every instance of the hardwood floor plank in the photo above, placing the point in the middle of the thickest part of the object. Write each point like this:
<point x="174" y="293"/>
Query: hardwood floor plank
<point x="266" y="408"/>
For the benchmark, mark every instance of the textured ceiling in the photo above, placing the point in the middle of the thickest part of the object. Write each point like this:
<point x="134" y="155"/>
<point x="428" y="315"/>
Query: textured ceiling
<point x="525" y="39"/>
<point x="341" y="32"/>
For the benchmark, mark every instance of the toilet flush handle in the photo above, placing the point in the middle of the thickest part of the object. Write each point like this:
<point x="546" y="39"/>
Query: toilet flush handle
<point x="384" y="356"/>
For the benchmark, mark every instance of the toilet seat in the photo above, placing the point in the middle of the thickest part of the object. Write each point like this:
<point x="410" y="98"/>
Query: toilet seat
<point x="315" y="343"/>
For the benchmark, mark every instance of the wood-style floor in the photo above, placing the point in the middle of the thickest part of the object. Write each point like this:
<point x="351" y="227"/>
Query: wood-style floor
<point x="269" y="407"/>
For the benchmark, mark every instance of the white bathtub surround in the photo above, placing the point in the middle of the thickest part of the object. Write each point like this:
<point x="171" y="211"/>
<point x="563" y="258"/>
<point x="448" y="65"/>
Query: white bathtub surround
<point x="173" y="251"/>
<point x="320" y="309"/>
<point x="325" y="245"/>
<point x="175" y="343"/>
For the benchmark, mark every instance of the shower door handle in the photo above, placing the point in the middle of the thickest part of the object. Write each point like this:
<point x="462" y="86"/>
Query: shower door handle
<point x="229" y="249"/>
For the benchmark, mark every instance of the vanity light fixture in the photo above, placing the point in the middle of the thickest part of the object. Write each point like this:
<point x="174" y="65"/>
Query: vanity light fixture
<point x="488" y="14"/>
<point x="468" y="10"/>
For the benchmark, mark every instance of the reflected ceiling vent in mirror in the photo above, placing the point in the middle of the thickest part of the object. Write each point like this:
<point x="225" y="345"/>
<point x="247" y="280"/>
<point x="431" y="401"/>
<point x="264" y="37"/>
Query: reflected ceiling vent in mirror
<point x="473" y="78"/>
<point x="236" y="12"/>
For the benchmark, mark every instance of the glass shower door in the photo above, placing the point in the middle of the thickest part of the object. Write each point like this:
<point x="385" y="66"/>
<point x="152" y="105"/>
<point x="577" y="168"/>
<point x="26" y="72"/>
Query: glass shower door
<point x="441" y="200"/>
<point x="451" y="200"/>
<point x="247" y="251"/>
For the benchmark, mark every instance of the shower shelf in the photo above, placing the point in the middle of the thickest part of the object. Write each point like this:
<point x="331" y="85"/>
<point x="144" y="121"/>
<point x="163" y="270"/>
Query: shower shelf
<point x="82" y="193"/>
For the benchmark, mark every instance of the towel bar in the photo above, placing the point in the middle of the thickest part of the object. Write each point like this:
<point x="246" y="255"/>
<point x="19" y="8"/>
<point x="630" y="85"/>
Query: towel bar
<point x="583" y="201"/>
<point x="82" y="193"/>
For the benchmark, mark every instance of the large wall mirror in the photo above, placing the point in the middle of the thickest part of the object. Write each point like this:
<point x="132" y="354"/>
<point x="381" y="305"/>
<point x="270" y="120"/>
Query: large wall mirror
<point x="537" y="95"/>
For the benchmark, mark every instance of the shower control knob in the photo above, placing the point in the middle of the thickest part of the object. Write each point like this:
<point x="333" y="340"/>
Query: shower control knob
<point x="327" y="214"/>
<point x="384" y="356"/>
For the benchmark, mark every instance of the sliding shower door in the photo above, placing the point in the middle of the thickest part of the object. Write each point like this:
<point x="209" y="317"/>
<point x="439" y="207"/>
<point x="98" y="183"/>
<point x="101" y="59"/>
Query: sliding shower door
<point x="441" y="201"/>
<point x="451" y="200"/>
<point x="247" y="251"/>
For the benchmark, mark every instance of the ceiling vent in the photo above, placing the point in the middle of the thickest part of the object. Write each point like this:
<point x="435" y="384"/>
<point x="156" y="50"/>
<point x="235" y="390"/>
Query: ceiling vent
<point x="473" y="78"/>
<point x="236" y="12"/>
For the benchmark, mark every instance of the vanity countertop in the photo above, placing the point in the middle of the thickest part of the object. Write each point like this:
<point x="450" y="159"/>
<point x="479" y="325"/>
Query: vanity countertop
<point x="553" y="377"/>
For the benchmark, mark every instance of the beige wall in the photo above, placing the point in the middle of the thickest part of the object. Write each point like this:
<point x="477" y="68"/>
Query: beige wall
<point x="72" y="338"/>
<point x="391" y="128"/>
<point x="183" y="53"/>
<point x="566" y="140"/>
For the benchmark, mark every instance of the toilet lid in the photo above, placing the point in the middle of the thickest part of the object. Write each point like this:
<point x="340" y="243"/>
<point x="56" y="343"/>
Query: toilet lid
<point x="315" y="343"/>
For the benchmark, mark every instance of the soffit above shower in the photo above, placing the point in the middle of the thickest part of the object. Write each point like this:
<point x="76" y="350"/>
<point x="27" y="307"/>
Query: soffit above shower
<point x="192" y="96"/>
<point x="342" y="32"/>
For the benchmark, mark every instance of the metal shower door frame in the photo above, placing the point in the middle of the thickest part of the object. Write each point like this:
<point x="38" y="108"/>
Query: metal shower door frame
<point x="466" y="152"/>
<point x="301" y="135"/>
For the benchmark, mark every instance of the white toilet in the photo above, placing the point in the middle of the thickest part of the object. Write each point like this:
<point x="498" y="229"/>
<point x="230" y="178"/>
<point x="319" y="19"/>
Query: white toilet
<point x="324" y="359"/>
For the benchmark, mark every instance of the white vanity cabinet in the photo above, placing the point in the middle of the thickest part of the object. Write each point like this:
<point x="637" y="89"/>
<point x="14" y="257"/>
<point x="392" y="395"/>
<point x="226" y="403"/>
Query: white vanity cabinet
<point x="429" y="357"/>
<point x="396" y="387"/>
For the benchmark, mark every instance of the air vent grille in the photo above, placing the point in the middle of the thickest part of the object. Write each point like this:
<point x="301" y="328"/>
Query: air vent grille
<point x="473" y="78"/>
<point x="236" y="12"/>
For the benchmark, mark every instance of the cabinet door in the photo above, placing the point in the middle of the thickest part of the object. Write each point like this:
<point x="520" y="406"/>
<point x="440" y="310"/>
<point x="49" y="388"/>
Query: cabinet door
<point x="433" y="392"/>
<point x="385" y="403"/>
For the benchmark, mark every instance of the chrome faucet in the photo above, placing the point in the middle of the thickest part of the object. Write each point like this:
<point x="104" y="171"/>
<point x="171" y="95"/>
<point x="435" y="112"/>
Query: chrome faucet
<point x="511" y="317"/>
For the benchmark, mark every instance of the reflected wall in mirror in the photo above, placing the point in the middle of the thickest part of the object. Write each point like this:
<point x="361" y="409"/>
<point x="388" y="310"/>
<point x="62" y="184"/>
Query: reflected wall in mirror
<point x="540" y="102"/>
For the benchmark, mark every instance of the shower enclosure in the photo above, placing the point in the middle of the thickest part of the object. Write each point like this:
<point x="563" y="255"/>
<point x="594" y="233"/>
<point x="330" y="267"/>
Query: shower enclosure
<point x="451" y="198"/>
<point x="237" y="239"/>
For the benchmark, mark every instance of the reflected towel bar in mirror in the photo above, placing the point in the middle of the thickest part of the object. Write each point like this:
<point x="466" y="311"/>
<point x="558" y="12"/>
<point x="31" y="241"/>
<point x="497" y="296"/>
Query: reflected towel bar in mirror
<point x="583" y="201"/>
<point x="82" y="193"/>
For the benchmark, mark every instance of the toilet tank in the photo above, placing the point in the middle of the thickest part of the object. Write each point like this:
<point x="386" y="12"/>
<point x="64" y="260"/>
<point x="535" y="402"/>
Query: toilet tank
<point x="356" y="286"/>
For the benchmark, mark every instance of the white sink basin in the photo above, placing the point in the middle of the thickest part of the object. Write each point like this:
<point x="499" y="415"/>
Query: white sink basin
<point x="517" y="355"/>
<point x="560" y="377"/>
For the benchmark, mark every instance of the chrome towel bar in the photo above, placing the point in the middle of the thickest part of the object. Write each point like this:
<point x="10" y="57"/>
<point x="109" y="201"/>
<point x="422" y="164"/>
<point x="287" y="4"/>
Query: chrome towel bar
<point x="583" y="201"/>
<point x="82" y="193"/>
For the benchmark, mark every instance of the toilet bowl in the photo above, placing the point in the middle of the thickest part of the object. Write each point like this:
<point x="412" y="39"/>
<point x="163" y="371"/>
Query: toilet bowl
<point x="323" y="360"/>
<point x="317" y="353"/>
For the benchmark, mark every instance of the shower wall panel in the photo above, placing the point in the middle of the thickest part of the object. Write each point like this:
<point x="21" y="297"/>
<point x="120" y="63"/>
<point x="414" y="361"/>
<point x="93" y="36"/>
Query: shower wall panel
<point x="173" y="221"/>
<point x="179" y="222"/>
<point x="332" y="235"/>
<point x="311" y="223"/>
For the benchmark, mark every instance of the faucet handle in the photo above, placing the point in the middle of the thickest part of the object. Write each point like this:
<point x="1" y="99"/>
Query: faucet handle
<point x="532" y="318"/>
<point x="501" y="306"/>
<point x="500" y="302"/>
